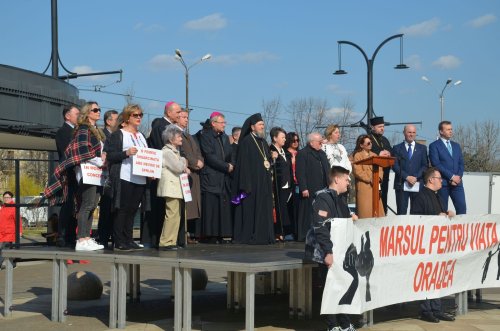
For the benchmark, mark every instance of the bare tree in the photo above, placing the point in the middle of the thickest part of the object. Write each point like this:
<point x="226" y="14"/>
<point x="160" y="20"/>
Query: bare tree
<point x="270" y="111"/>
<point x="480" y="145"/>
<point x="345" y="117"/>
<point x="307" y="115"/>
<point x="129" y="94"/>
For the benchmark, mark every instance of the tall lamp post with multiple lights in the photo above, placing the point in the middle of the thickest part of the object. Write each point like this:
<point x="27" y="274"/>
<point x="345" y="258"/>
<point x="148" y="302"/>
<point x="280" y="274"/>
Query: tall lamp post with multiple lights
<point x="178" y="57"/>
<point x="369" y="66"/>
<point x="441" y="94"/>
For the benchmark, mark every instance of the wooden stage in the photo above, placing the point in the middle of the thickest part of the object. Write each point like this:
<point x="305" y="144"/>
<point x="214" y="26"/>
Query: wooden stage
<point x="241" y="262"/>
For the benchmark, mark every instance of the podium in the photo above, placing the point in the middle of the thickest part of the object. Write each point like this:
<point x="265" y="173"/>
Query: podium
<point x="376" y="162"/>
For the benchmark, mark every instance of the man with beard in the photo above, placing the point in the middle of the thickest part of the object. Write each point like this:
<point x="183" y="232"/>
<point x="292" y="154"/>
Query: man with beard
<point x="311" y="170"/>
<point x="216" y="223"/>
<point x="382" y="147"/>
<point x="252" y="186"/>
<point x="152" y="227"/>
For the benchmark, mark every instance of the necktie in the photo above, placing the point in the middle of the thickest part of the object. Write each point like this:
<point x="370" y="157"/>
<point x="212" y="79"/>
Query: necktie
<point x="410" y="152"/>
<point x="448" y="145"/>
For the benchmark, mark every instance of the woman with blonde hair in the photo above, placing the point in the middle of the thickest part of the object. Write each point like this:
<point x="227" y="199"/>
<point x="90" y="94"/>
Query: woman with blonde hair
<point x="127" y="190"/>
<point x="335" y="152"/>
<point x="85" y="147"/>
<point x="364" y="178"/>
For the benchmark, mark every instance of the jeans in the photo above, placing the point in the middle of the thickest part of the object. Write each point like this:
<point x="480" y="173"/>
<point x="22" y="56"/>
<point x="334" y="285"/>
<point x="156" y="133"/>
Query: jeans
<point x="89" y="195"/>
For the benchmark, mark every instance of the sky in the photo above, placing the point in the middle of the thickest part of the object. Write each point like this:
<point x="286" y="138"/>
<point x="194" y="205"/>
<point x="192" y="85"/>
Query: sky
<point x="264" y="49"/>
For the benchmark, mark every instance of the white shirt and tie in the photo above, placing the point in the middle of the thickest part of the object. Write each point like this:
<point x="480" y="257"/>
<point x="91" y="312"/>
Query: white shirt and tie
<point x="410" y="149"/>
<point x="448" y="145"/>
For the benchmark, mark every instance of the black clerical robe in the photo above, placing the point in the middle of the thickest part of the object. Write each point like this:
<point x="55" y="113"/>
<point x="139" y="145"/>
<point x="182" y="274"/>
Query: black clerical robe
<point x="253" y="216"/>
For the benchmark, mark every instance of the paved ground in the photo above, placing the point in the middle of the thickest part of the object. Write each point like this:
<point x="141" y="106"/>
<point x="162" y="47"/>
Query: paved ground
<point x="32" y="295"/>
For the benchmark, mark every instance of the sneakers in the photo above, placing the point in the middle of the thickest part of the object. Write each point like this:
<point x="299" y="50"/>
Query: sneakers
<point x="87" y="245"/>
<point x="338" y="328"/>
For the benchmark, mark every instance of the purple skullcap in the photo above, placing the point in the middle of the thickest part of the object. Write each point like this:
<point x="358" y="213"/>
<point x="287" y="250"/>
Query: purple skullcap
<point x="168" y="104"/>
<point x="215" y="113"/>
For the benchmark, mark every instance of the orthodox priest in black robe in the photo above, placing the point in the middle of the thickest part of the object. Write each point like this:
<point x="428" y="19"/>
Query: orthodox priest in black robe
<point x="252" y="186"/>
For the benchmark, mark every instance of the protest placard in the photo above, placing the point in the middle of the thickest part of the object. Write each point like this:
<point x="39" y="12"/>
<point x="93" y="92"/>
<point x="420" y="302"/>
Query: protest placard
<point x="186" y="189"/>
<point x="147" y="162"/>
<point x="93" y="175"/>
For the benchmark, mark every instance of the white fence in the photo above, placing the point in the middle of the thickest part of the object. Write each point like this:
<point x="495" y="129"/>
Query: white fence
<point x="482" y="193"/>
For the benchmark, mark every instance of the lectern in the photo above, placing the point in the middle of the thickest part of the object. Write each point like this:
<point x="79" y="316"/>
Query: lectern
<point x="376" y="162"/>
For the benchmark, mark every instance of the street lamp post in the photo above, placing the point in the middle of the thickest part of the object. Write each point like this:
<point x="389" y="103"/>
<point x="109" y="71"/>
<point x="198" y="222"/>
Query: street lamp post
<point x="369" y="65"/>
<point x="178" y="56"/>
<point x="441" y="94"/>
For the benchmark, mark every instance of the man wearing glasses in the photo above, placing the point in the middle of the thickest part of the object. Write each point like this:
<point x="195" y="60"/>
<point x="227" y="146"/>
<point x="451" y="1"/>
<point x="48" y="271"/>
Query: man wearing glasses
<point x="312" y="169"/>
<point x="428" y="202"/>
<point x="382" y="147"/>
<point x="216" y="221"/>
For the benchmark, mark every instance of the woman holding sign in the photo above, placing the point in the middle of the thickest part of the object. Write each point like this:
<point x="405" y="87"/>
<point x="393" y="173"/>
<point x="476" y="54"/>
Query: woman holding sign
<point x="170" y="188"/>
<point x="127" y="190"/>
<point x="84" y="148"/>
<point x="87" y="140"/>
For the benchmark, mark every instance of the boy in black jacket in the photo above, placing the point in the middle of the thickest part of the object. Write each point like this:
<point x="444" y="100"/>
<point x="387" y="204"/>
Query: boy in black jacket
<point x="328" y="204"/>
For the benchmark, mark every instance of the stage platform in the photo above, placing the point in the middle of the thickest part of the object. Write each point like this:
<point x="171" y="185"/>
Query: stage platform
<point x="241" y="262"/>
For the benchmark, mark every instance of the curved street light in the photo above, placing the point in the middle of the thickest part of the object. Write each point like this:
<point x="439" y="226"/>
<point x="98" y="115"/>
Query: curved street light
<point x="441" y="94"/>
<point x="180" y="58"/>
<point x="369" y="65"/>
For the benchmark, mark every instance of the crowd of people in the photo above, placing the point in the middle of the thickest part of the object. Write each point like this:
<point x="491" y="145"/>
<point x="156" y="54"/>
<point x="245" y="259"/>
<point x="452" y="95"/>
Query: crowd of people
<point x="244" y="190"/>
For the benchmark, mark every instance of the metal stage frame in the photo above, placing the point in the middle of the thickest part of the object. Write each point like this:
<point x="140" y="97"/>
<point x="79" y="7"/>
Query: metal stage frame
<point x="241" y="262"/>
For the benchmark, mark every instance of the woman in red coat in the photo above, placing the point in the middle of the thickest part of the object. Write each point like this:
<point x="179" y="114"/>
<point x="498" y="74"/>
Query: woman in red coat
<point x="7" y="222"/>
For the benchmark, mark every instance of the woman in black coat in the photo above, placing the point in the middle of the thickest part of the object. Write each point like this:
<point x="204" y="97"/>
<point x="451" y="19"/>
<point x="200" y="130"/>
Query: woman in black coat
<point x="282" y="182"/>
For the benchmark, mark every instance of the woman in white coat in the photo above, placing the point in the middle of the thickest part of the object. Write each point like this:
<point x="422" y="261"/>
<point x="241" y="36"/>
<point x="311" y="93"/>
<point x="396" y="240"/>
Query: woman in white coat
<point x="170" y="188"/>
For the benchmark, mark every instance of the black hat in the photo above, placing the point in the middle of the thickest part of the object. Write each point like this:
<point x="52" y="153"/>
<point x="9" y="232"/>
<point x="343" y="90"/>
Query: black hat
<point x="377" y="120"/>
<point x="252" y="120"/>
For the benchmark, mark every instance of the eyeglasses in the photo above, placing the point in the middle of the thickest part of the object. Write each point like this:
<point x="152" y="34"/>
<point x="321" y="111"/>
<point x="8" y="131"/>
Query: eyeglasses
<point x="368" y="143"/>
<point x="223" y="122"/>
<point x="296" y="141"/>
<point x="7" y="197"/>
<point x="96" y="110"/>
<point x="141" y="115"/>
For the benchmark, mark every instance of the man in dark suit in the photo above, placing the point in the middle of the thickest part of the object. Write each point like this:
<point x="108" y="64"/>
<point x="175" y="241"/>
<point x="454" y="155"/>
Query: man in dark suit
<point x="311" y="169"/>
<point x="428" y="202"/>
<point x="446" y="155"/>
<point x="382" y="147"/>
<point x="110" y="119"/>
<point x="153" y="222"/>
<point x="409" y="166"/>
<point x="67" y="223"/>
<point x="105" y="225"/>
<point x="171" y="116"/>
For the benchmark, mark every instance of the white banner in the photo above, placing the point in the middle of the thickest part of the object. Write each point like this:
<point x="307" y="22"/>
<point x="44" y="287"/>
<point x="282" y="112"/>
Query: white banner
<point x="147" y="162"/>
<point x="383" y="261"/>
<point x="93" y="175"/>
<point x="186" y="189"/>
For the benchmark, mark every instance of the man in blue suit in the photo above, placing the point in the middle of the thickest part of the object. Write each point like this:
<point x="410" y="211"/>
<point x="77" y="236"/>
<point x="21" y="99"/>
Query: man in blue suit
<point x="446" y="155"/>
<point x="411" y="162"/>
